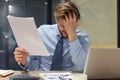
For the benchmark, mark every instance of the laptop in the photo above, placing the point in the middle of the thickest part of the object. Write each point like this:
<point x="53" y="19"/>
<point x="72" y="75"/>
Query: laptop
<point x="103" y="63"/>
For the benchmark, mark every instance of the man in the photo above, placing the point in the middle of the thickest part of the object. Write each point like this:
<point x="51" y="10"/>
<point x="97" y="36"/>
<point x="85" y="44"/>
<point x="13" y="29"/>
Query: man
<point x="75" y="42"/>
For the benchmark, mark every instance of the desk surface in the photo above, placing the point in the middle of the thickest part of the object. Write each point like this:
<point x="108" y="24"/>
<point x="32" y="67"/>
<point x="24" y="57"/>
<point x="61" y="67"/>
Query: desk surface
<point x="36" y="73"/>
<point x="33" y="73"/>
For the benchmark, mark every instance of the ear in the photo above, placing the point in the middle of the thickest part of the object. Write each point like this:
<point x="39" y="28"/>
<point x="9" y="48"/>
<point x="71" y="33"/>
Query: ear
<point x="56" y="20"/>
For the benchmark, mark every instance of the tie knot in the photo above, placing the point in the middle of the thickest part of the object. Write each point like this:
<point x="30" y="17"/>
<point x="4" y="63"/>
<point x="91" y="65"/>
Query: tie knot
<point x="61" y="37"/>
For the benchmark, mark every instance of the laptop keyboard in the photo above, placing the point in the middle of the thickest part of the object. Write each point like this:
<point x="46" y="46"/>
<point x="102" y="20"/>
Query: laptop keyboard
<point x="23" y="77"/>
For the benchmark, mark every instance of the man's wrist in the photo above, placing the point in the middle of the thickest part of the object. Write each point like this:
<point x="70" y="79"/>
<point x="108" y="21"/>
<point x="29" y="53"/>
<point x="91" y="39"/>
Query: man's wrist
<point x="24" y="67"/>
<point x="72" y="36"/>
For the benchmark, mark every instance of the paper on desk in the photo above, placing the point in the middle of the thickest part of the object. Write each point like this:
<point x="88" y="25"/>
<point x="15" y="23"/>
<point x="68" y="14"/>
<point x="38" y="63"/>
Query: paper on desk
<point x="5" y="72"/>
<point x="63" y="76"/>
<point x="27" y="36"/>
<point x="55" y="76"/>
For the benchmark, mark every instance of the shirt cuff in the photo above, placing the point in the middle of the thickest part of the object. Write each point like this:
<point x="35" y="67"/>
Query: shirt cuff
<point x="24" y="67"/>
<point x="74" y="46"/>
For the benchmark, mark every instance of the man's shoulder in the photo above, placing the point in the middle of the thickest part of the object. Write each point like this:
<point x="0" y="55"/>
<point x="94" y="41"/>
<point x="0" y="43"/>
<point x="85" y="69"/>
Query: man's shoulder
<point x="81" y="33"/>
<point x="47" y="26"/>
<point x="47" y="29"/>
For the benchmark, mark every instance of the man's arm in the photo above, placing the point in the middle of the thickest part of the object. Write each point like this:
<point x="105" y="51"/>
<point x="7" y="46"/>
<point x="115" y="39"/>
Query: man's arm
<point x="79" y="41"/>
<point x="78" y="50"/>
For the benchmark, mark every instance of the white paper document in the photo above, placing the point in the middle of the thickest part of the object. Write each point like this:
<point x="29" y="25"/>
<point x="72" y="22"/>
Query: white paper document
<point x="63" y="76"/>
<point x="5" y="72"/>
<point x="55" y="76"/>
<point x="27" y="36"/>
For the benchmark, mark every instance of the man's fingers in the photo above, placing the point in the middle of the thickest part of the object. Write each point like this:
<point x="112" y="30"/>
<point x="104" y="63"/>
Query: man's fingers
<point x="70" y="16"/>
<point x="20" y="53"/>
<point x="66" y="18"/>
<point x="20" y="60"/>
<point x="20" y="49"/>
<point x="74" y="16"/>
<point x="17" y="53"/>
<point x="20" y="56"/>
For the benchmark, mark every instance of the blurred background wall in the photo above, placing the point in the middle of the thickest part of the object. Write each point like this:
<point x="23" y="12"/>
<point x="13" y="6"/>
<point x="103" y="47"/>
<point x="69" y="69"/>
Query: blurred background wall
<point x="99" y="20"/>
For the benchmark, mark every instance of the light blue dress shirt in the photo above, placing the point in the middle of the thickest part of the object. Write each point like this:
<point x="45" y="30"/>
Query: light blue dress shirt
<point x="74" y="53"/>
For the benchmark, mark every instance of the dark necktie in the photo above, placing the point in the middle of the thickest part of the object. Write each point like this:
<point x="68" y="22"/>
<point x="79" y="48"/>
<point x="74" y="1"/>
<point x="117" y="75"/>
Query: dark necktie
<point x="58" y="56"/>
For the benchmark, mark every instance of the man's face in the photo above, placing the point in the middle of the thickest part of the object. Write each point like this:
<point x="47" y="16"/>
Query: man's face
<point x="62" y="28"/>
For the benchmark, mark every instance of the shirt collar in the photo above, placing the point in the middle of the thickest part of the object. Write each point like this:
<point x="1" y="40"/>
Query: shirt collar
<point x="58" y="34"/>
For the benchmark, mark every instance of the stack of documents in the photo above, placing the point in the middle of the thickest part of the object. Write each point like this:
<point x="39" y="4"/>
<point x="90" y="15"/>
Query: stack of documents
<point x="54" y="76"/>
<point x="4" y="73"/>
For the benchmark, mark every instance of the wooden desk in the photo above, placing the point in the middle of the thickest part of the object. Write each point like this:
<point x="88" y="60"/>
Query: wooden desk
<point x="36" y="73"/>
<point x="33" y="73"/>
